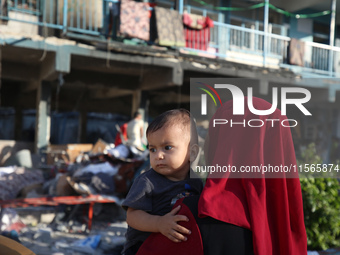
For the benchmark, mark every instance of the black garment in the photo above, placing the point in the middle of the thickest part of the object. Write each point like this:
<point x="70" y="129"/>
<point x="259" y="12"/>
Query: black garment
<point x="132" y="250"/>
<point x="220" y="238"/>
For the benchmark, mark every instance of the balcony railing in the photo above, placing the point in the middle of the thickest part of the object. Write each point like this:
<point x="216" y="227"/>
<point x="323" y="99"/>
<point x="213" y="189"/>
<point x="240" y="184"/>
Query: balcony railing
<point x="247" y="46"/>
<point x="244" y="44"/>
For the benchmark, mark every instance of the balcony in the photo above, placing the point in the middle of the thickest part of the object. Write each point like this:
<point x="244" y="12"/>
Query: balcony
<point x="244" y="43"/>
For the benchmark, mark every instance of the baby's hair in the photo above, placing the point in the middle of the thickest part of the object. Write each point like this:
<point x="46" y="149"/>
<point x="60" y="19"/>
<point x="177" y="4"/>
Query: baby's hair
<point x="181" y="117"/>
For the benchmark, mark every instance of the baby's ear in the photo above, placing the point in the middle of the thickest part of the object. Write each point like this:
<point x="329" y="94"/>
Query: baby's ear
<point x="194" y="149"/>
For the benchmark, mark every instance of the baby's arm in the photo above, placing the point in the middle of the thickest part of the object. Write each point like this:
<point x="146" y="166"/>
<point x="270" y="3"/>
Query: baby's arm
<point x="167" y="224"/>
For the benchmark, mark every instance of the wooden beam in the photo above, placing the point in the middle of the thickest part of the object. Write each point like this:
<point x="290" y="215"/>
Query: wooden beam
<point x="161" y="78"/>
<point x="20" y="71"/>
<point x="104" y="66"/>
<point x="171" y="97"/>
<point x="29" y="86"/>
<point x="97" y="79"/>
<point x="48" y="70"/>
<point x="136" y="100"/>
<point x="102" y="93"/>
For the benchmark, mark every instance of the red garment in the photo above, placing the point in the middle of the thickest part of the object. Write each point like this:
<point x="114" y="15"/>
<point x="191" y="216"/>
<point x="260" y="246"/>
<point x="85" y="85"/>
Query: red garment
<point x="197" y="39"/>
<point x="118" y="139"/>
<point x="197" y="31"/>
<point x="270" y="207"/>
<point x="158" y="244"/>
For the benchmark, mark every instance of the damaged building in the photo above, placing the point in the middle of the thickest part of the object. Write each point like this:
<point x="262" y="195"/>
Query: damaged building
<point x="73" y="70"/>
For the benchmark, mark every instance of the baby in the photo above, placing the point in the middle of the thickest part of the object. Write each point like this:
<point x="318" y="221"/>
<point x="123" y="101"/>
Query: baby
<point x="173" y="145"/>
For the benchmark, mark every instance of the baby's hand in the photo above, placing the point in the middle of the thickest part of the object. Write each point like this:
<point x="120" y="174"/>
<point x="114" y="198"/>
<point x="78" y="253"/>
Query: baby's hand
<point x="168" y="226"/>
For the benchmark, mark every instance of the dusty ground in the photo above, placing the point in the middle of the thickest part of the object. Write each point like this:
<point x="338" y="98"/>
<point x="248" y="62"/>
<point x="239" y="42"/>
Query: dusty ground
<point x="55" y="231"/>
<point x="45" y="241"/>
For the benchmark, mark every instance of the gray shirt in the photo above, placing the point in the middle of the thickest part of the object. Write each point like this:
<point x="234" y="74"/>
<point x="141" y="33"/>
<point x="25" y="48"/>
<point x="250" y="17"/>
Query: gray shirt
<point x="155" y="194"/>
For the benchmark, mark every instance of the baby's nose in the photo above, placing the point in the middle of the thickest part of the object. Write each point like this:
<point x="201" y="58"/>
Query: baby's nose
<point x="160" y="155"/>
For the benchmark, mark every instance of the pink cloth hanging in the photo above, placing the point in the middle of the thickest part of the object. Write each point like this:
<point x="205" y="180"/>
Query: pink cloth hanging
<point x="197" y="31"/>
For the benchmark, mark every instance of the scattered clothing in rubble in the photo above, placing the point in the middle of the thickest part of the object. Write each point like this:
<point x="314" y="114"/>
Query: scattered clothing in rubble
<point x="6" y="170"/>
<point x="103" y="184"/>
<point x="120" y="151"/>
<point x="12" y="183"/>
<point x="12" y="235"/>
<point x="87" y="245"/>
<point x="105" y="167"/>
<point x="99" y="183"/>
<point x="10" y="221"/>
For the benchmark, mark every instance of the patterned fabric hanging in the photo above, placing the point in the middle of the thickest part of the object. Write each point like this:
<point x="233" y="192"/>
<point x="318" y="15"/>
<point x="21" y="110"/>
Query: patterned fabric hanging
<point x="135" y="19"/>
<point x="169" y="27"/>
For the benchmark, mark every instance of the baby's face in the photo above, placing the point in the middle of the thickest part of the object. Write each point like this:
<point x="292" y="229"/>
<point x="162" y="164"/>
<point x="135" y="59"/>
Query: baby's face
<point x="169" y="152"/>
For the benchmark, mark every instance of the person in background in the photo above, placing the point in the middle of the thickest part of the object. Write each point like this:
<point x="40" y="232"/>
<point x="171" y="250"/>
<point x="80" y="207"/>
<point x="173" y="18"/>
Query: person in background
<point x="135" y="131"/>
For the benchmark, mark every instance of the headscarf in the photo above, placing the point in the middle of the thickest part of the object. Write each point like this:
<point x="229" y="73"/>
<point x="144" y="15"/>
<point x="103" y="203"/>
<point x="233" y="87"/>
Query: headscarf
<point x="268" y="204"/>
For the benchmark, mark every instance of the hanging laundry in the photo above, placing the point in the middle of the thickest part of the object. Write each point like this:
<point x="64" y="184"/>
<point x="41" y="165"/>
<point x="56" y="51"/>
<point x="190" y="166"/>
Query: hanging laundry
<point x="296" y="52"/>
<point x="197" y="31"/>
<point x="169" y="27"/>
<point x="113" y="19"/>
<point x="135" y="19"/>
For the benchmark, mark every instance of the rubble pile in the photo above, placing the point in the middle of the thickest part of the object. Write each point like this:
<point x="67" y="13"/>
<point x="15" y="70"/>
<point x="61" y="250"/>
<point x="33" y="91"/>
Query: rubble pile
<point x="40" y="201"/>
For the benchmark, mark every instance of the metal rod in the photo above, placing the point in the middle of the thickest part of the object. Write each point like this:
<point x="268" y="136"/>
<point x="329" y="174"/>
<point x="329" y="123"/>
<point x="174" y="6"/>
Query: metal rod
<point x="65" y="16"/>
<point x="331" y="36"/>
<point x="265" y="30"/>
<point x="181" y="6"/>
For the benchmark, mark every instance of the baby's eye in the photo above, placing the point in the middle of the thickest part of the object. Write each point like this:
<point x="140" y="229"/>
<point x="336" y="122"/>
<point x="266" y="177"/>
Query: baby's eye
<point x="152" y="149"/>
<point x="168" y="147"/>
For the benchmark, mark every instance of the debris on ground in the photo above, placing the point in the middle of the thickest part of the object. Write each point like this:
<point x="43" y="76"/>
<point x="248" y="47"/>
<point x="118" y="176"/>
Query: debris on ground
<point x="69" y="203"/>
